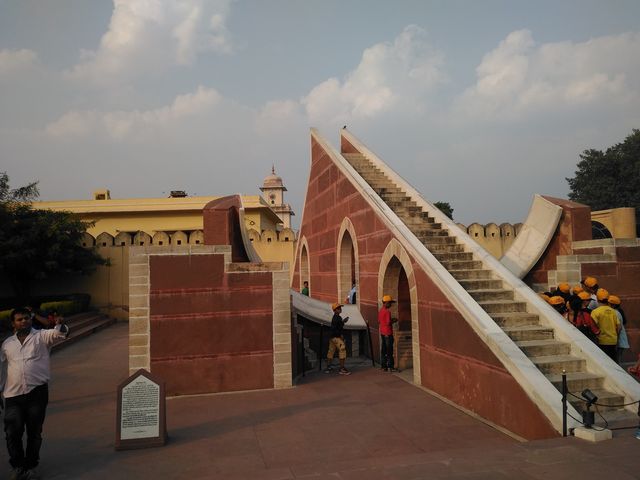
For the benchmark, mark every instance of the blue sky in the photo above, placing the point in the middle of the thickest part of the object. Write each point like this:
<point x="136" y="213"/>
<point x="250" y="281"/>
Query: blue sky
<point x="478" y="103"/>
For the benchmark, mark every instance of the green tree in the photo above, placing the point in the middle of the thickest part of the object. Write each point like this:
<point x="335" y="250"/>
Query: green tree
<point x="35" y="244"/>
<point x="609" y="179"/>
<point x="445" y="208"/>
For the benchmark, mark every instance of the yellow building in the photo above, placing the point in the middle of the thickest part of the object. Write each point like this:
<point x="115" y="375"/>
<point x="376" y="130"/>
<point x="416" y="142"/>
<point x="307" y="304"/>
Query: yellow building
<point x="176" y="221"/>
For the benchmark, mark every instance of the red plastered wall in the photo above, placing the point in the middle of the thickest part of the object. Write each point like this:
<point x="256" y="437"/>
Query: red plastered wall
<point x="206" y="336"/>
<point x="455" y="362"/>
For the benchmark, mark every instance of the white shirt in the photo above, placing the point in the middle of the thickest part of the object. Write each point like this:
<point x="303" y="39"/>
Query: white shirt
<point x="24" y="366"/>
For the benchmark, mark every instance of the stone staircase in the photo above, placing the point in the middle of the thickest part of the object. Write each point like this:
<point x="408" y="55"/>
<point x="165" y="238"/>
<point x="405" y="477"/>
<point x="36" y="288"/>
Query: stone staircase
<point x="536" y="341"/>
<point x="82" y="325"/>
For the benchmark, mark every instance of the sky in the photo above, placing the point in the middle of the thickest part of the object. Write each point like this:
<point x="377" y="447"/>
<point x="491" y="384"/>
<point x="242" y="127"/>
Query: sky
<point x="481" y="104"/>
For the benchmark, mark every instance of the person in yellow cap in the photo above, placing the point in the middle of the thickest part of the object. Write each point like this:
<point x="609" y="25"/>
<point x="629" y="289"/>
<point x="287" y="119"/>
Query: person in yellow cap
<point x="558" y="303"/>
<point x="607" y="320"/>
<point x="623" y="340"/>
<point x="336" y="341"/>
<point x="581" y="318"/>
<point x="563" y="290"/>
<point x="590" y="285"/>
<point x="385" y="324"/>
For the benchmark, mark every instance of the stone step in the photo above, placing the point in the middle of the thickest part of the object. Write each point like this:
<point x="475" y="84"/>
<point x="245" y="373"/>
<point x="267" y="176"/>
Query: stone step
<point x="470" y="274"/>
<point x="576" y="381"/>
<point x="388" y="191"/>
<point x="480" y="284"/>
<point x="402" y="204"/>
<point x="515" y="319"/>
<point x="437" y="238"/>
<point x="494" y="306"/>
<point x="557" y="363"/>
<point x="409" y="210"/>
<point x="457" y="256"/>
<point x="464" y="265"/>
<point x="543" y="348"/>
<point x="76" y="334"/>
<point x="607" y="402"/>
<point x="424" y="231"/>
<point x="449" y="248"/>
<point x="529" y="332"/>
<point x="490" y="295"/>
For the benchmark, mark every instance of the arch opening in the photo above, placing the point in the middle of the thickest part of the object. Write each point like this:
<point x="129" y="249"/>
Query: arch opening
<point x="396" y="283"/>
<point x="304" y="266"/>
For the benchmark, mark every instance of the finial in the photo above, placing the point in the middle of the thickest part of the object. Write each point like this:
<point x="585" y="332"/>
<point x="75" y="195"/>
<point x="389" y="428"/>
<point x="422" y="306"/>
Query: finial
<point x="273" y="169"/>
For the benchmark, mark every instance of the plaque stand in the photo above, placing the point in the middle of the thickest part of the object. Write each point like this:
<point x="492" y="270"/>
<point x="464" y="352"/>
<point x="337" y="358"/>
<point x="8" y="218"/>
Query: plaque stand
<point x="141" y="418"/>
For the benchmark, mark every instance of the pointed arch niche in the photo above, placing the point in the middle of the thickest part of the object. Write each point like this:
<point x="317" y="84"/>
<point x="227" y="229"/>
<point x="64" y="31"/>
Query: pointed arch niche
<point x="396" y="278"/>
<point x="348" y="266"/>
<point x="303" y="264"/>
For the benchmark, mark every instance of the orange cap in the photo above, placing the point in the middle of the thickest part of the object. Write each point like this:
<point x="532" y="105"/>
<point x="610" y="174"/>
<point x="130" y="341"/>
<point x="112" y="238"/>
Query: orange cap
<point x="564" y="287"/>
<point x="614" y="300"/>
<point x="387" y="298"/>
<point x="577" y="289"/>
<point x="584" y="296"/>
<point x="335" y="306"/>
<point x="602" y="295"/>
<point x="557" y="300"/>
<point x="590" y="282"/>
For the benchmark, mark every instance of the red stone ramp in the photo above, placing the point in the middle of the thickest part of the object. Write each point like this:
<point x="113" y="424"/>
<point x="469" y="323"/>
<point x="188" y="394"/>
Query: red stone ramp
<point x="480" y="337"/>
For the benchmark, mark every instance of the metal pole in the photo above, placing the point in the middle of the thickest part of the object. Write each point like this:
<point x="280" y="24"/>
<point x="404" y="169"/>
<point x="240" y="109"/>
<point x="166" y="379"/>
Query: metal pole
<point x="564" y="403"/>
<point x="320" y="351"/>
<point x="304" y="325"/>
<point x="373" y="363"/>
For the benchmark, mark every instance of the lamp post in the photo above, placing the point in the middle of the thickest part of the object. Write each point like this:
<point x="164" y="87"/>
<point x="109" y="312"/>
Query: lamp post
<point x="588" y="417"/>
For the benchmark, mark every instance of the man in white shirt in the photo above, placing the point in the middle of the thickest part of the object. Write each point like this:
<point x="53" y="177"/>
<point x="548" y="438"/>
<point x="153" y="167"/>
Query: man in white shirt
<point x="24" y="378"/>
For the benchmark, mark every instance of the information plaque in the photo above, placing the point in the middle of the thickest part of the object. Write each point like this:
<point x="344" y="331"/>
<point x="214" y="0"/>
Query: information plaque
<point x="141" y="420"/>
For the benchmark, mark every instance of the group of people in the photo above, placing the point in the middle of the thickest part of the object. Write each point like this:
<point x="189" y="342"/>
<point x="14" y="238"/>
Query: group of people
<point x="595" y="312"/>
<point x="336" y="338"/>
<point x="24" y="379"/>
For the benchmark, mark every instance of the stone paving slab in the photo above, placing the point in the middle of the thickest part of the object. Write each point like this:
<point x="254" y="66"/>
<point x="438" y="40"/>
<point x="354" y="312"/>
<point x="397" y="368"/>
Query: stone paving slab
<point x="370" y="425"/>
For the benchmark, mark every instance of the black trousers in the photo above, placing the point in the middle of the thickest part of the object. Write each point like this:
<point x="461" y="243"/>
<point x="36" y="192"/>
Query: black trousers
<point x="25" y="411"/>
<point x="387" y="351"/>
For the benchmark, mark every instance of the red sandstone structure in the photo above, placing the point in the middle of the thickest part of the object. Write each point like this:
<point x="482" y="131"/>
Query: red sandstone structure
<point x="471" y="330"/>
<point x="213" y="318"/>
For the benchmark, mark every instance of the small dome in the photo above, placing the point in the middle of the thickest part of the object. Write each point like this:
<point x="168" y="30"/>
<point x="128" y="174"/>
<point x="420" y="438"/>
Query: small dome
<point x="272" y="180"/>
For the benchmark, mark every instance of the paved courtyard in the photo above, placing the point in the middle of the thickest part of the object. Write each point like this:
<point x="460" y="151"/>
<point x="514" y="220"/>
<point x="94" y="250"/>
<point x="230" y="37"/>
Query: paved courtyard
<point x="370" y="425"/>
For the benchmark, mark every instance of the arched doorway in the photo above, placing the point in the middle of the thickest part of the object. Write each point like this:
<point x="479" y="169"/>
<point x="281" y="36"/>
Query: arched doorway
<point x="304" y="263"/>
<point x="348" y="267"/>
<point x="397" y="278"/>
<point x="396" y="284"/>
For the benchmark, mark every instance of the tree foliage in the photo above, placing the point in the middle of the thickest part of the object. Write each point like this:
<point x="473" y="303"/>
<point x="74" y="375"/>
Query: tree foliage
<point x="34" y="244"/>
<point x="445" y="208"/>
<point x="609" y="179"/>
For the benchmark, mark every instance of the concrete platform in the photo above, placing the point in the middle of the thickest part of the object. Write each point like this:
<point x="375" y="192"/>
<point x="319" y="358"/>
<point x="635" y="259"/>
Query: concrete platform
<point x="370" y="425"/>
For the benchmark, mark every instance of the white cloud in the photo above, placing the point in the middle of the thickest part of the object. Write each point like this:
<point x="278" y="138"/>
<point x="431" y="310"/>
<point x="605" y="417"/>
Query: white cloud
<point x="120" y="125"/>
<point x="16" y="60"/>
<point x="519" y="77"/>
<point x="390" y="76"/>
<point x="151" y="35"/>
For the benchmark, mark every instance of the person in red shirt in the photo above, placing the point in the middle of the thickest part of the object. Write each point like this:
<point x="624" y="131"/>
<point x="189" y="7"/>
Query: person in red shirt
<point x="385" y="323"/>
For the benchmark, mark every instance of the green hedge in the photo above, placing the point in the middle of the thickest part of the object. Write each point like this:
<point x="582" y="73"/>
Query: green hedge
<point x="5" y="319"/>
<point x="64" y="307"/>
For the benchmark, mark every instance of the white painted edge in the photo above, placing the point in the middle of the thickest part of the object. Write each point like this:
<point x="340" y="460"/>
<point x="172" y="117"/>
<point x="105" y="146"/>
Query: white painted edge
<point x="321" y="312"/>
<point x="535" y="384"/>
<point x="534" y="237"/>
